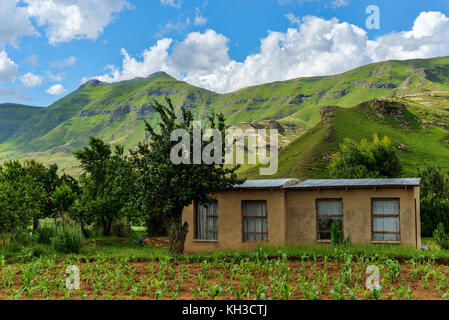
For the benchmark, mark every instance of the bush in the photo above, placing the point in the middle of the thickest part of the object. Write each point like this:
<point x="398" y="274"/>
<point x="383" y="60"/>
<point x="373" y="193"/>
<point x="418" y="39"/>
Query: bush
<point x="24" y="238"/>
<point x="67" y="239"/>
<point x="45" y="233"/>
<point x="139" y="241"/>
<point x="92" y="232"/>
<point x="433" y="212"/>
<point x="441" y="237"/>
<point x="30" y="254"/>
<point x="121" y="229"/>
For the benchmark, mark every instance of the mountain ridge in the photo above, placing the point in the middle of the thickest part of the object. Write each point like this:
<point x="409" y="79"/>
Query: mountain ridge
<point x="114" y="112"/>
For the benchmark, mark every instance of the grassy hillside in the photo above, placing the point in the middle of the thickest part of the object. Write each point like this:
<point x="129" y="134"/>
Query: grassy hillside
<point x="300" y="99"/>
<point x="415" y="141"/>
<point x="114" y="112"/>
<point x="12" y="116"/>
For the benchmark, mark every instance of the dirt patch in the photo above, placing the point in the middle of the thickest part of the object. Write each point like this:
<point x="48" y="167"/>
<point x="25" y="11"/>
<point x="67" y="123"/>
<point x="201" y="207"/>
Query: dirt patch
<point x="159" y="242"/>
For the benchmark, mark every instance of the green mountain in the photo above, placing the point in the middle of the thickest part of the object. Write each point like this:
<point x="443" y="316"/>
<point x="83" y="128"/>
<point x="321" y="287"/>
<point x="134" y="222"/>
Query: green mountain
<point x="12" y="116"/>
<point x="114" y="112"/>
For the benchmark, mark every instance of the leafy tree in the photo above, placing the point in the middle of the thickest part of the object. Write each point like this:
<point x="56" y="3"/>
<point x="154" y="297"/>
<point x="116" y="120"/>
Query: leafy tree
<point x="433" y="212"/>
<point x="46" y="180"/>
<point x="17" y="207"/>
<point x="434" y="183"/>
<point x="376" y="159"/>
<point x="26" y="192"/>
<point x="80" y="212"/>
<point x="63" y="198"/>
<point x="108" y="184"/>
<point x="166" y="188"/>
<point x="434" y="199"/>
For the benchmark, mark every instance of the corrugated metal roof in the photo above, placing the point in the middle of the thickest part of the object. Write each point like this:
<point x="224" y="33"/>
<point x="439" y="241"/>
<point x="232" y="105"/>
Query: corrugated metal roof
<point x="266" y="184"/>
<point x="342" y="183"/>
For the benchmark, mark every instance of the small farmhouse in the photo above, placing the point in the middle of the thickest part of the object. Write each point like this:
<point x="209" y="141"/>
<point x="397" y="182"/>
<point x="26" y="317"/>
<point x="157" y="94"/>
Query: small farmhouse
<point x="287" y="211"/>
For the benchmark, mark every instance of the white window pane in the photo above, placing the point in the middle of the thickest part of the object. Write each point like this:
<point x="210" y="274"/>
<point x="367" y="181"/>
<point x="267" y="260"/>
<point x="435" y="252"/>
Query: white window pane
<point x="329" y="207"/>
<point x="204" y="222"/>
<point x="254" y="228"/>
<point x="201" y="213"/>
<point x="386" y="206"/>
<point x="391" y="237"/>
<point x="386" y="224"/>
<point x="386" y="237"/>
<point x="378" y="237"/>
<point x="255" y="208"/>
<point x="213" y="208"/>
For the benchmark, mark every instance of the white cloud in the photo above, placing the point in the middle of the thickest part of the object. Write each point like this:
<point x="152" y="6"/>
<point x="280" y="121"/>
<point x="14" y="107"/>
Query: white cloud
<point x="154" y="59"/>
<point x="327" y="3"/>
<point x="14" y="23"/>
<point x="68" y="62"/>
<point x="339" y="3"/>
<point x="31" y="80"/>
<point x="67" y="20"/>
<point x="55" y="77"/>
<point x="32" y="60"/>
<point x="315" y="47"/>
<point x="179" y="26"/>
<point x="8" y="69"/>
<point x="294" y="20"/>
<point x="200" y="53"/>
<point x="172" y="3"/>
<point x="200" y="20"/>
<point x="56" y="90"/>
<point x="429" y="37"/>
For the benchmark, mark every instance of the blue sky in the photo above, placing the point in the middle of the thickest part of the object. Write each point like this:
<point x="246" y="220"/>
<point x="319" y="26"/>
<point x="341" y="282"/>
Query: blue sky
<point x="49" y="47"/>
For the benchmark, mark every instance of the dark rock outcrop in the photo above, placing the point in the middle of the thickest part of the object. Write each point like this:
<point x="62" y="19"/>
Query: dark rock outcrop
<point x="328" y="112"/>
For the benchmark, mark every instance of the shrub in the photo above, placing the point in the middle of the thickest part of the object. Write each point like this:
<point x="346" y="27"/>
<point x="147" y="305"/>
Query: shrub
<point x="67" y="239"/>
<point x="433" y="212"/>
<point x="92" y="232"/>
<point x="30" y="254"/>
<point x="24" y="238"/>
<point x="45" y="233"/>
<point x="139" y="241"/>
<point x="441" y="237"/>
<point x="121" y="229"/>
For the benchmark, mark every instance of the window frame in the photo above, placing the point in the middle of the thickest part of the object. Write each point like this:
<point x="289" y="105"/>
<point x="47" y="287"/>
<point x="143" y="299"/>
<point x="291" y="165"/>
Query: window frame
<point x="208" y="216"/>
<point x="254" y="217"/>
<point x="385" y="216"/>
<point x="327" y="215"/>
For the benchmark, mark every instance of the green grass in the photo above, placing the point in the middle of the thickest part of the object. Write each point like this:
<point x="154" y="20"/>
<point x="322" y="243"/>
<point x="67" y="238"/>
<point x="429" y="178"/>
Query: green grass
<point x="119" y="248"/>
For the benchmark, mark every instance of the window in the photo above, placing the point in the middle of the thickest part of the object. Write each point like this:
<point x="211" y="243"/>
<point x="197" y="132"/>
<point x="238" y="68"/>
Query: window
<point x="255" y="221"/>
<point x="207" y="221"/>
<point x="385" y="219"/>
<point x="329" y="211"/>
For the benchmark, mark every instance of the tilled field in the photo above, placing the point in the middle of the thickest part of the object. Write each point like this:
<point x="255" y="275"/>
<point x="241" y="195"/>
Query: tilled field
<point x="256" y="278"/>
